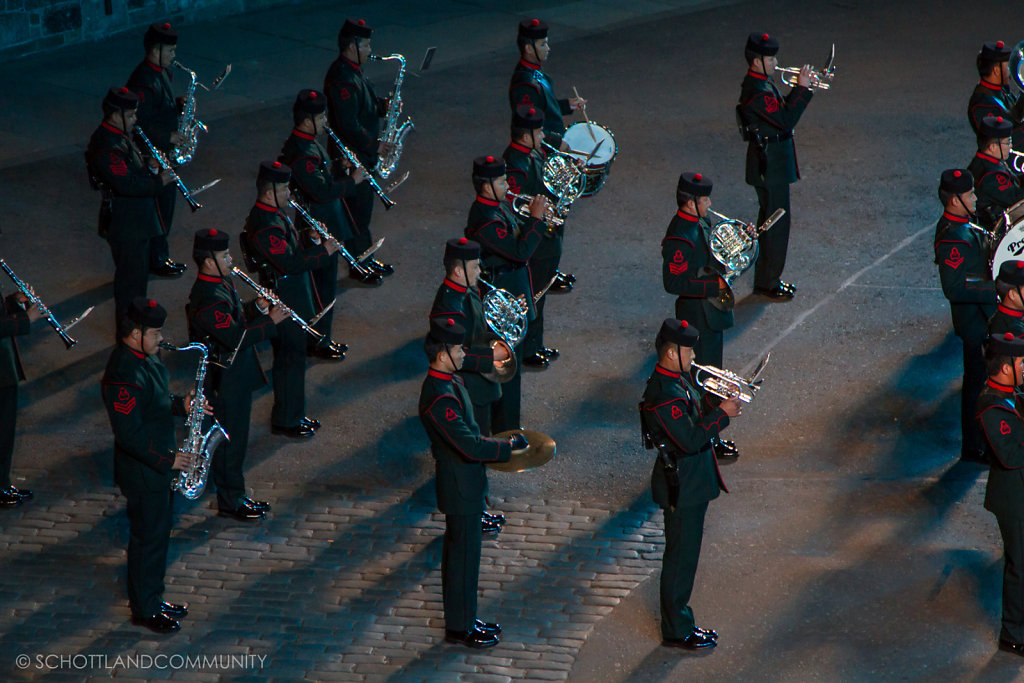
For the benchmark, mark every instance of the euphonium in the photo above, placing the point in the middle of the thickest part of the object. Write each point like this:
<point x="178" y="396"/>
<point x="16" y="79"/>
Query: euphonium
<point x="188" y="125"/>
<point x="725" y="384"/>
<point x="191" y="481"/>
<point x="393" y="134"/>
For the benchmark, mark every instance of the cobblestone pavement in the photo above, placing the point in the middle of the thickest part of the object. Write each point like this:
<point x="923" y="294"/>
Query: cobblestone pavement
<point x="337" y="584"/>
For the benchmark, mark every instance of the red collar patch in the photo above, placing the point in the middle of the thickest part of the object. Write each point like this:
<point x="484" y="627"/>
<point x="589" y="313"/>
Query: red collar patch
<point x="760" y="77"/>
<point x="529" y="65"/>
<point x="209" y="278"/>
<point x="991" y="86"/>
<point x="687" y="217"/>
<point x="666" y="372"/>
<point x="302" y="134"/>
<point x="999" y="387"/>
<point x="1010" y="312"/>
<point x="488" y="201"/>
<point x="454" y="285"/>
<point x="437" y="374"/>
<point x="519" y="148"/>
<point x="266" y="207"/>
<point x="954" y="219"/>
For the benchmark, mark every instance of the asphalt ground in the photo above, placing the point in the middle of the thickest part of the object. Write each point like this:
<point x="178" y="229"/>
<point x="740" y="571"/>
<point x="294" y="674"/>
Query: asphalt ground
<point x="853" y="545"/>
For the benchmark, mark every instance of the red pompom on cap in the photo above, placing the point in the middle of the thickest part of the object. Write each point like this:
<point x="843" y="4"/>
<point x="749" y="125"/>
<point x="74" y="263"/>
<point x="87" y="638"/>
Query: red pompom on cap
<point x="532" y="111"/>
<point x="166" y="27"/>
<point x="999" y="119"/>
<point x="956" y="174"/>
<point x="277" y="164"/>
<point x="536" y="22"/>
<point x="490" y="160"/>
<point x="1000" y="45"/>
<point x="152" y="304"/>
<point x="123" y="90"/>
<point x="1020" y="264"/>
<point x="765" y="36"/>
<point x="698" y="177"/>
<point x="361" y="22"/>
<point x="463" y="240"/>
<point x="212" y="232"/>
<point x="683" y="323"/>
<point x="451" y="323"/>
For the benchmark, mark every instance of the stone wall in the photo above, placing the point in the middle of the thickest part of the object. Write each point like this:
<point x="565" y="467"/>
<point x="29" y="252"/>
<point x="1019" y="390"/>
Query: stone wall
<point x="30" y="26"/>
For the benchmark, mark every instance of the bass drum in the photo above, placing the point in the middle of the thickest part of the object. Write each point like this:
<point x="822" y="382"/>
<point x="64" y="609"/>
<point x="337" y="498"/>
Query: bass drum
<point x="1011" y="246"/>
<point x="586" y="139"/>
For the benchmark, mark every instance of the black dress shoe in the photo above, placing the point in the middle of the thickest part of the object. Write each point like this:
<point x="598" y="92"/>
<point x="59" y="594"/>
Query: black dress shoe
<point x="475" y="638"/>
<point x="536" y="361"/>
<point x="310" y="422"/>
<point x="383" y="269"/>
<point x="549" y="353"/>
<point x="158" y="623"/>
<point x="974" y="455"/>
<point x="694" y="641"/>
<point x="499" y="518"/>
<point x="488" y="526"/>
<point x="367" y="277"/>
<point x="709" y="632"/>
<point x="257" y="504"/>
<point x="11" y="496"/>
<point x="168" y="268"/>
<point x="487" y="627"/>
<point x="780" y="292"/>
<point x="1012" y="648"/>
<point x="244" y="512"/>
<point x="567" y="278"/>
<point x="173" y="610"/>
<point x="299" y="431"/>
<point x="725" y="450"/>
<point x="560" y="288"/>
<point x="329" y="351"/>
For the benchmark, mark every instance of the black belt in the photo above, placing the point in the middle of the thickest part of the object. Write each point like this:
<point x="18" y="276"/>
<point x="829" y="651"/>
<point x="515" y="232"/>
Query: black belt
<point x="674" y="454"/>
<point x="502" y="270"/>
<point x="781" y="137"/>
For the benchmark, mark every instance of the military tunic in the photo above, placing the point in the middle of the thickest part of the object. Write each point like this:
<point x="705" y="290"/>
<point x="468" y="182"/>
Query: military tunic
<point x="285" y="267"/>
<point x="768" y="120"/>
<point x="685" y="479"/>
<point x="13" y="322"/>
<point x="461" y="483"/>
<point x="1006" y="320"/>
<point x="963" y="271"/>
<point x="531" y="87"/>
<point x="140" y="407"/>
<point x="996" y="186"/>
<point x="690" y="272"/>
<point x="992" y="100"/>
<point x="217" y="318"/>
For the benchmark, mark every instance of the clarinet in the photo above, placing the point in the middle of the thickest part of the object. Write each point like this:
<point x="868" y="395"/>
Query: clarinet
<point x="354" y="160"/>
<point x="275" y="300"/>
<point x="161" y="159"/>
<point x="321" y="230"/>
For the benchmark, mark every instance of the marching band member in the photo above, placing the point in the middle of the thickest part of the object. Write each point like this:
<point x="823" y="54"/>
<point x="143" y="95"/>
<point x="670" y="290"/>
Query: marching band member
<point x="15" y="320"/>
<point x="992" y="96"/>
<point x="1009" y="316"/>
<point x="230" y="330"/>
<point x="354" y="112"/>
<point x="158" y="117"/>
<point x="678" y="423"/>
<point x="995" y="184"/>
<point x="767" y="120"/>
<point x="961" y="253"/>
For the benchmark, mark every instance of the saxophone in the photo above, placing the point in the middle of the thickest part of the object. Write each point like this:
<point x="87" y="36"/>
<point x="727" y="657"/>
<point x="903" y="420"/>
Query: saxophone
<point x="393" y="134"/>
<point x="188" y="125"/>
<point x="191" y="482"/>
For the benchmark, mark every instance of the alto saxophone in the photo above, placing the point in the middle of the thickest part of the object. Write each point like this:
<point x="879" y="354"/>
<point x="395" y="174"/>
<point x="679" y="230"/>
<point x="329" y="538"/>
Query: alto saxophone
<point x="188" y="125"/>
<point x="191" y="482"/>
<point x="393" y="134"/>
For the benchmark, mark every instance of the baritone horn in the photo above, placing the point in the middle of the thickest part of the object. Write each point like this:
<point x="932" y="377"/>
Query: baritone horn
<point x="819" y="79"/>
<point x="726" y="384"/>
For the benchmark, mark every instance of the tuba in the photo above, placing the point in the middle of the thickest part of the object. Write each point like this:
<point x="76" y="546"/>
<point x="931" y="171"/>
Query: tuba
<point x="393" y="133"/>
<point x="191" y="482"/>
<point x="188" y="125"/>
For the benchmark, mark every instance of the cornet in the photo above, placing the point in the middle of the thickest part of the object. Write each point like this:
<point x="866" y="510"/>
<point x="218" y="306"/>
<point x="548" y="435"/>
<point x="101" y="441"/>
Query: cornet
<point x="521" y="205"/>
<point x="1016" y="161"/>
<point x="819" y="79"/>
<point x="725" y="384"/>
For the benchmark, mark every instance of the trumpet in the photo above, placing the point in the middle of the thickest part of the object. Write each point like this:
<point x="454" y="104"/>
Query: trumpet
<point x="34" y="300"/>
<point x="521" y="205"/>
<point x="726" y="384"/>
<point x="354" y="160"/>
<point x="819" y="79"/>
<point x="275" y="300"/>
<point x="161" y="159"/>
<point x="321" y="230"/>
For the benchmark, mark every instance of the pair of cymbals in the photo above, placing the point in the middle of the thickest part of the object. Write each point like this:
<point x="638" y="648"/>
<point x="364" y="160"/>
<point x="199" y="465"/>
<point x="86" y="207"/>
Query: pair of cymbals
<point x="539" y="450"/>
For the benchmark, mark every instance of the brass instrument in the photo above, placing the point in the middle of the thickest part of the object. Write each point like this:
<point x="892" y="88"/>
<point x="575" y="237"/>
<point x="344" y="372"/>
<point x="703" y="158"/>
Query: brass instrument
<point x="521" y="205"/>
<point x="161" y="159"/>
<point x="725" y="384"/>
<point x="192" y="480"/>
<point x="275" y="300"/>
<point x="539" y="450"/>
<point x="354" y="160"/>
<point x="1016" y="64"/>
<point x="1017" y="161"/>
<point x="819" y="79"/>
<point x="564" y="178"/>
<point x="321" y="230"/>
<point x="734" y="245"/>
<point x="505" y="314"/>
<point x="34" y="300"/>
<point x="393" y="134"/>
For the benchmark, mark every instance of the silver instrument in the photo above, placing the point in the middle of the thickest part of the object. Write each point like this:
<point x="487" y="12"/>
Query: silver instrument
<point x="521" y="205"/>
<point x="321" y="230"/>
<point x="161" y="159"/>
<point x="1017" y="65"/>
<point x="34" y="300"/>
<point x="1016" y="161"/>
<point x="505" y="314"/>
<point x="354" y="160"/>
<point x="393" y="133"/>
<point x="563" y="178"/>
<point x="201" y="446"/>
<point x="188" y="125"/>
<point x="734" y="245"/>
<point x="821" y="80"/>
<point x="540" y="295"/>
<point x="275" y="300"/>
<point x="725" y="384"/>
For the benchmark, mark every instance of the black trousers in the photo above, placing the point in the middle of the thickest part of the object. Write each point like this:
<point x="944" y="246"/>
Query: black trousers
<point x="8" y="423"/>
<point x="708" y="349"/>
<point x="773" y="244"/>
<point x="131" y="272"/>
<point x="482" y="415"/>
<point x="1012" y="531"/>
<point x="325" y="282"/>
<point x="541" y="271"/>
<point x="684" y="531"/>
<point x="974" y="382"/>
<point x="506" y="412"/>
<point x="460" y="570"/>
<point x="233" y="409"/>
<point x="289" y="375"/>
<point x="149" y="517"/>
<point x="159" y="251"/>
<point x="361" y="208"/>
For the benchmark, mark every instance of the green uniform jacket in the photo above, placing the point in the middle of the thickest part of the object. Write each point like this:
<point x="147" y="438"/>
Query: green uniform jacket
<point x="691" y="273"/>
<point x="1006" y="320"/>
<point x="996" y="186"/>
<point x="999" y="412"/>
<point x="459" y="451"/>
<point x="966" y="280"/>
<point x="158" y="110"/>
<point x="992" y="100"/>
<point x="318" y="188"/>
<point x="354" y="110"/>
<point x="129" y="185"/>
<point x="525" y="175"/>
<point x="763" y="110"/>
<point x="217" y="318"/>
<point x="465" y="307"/>
<point x="531" y="87"/>
<point x="674" y="416"/>
<point x="13" y="322"/>
<point x="505" y="247"/>
<point x="284" y="262"/>
<point x="140" y="407"/>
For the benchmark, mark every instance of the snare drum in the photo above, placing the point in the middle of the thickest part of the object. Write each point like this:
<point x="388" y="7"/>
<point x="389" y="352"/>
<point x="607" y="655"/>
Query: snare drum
<point x="578" y="138"/>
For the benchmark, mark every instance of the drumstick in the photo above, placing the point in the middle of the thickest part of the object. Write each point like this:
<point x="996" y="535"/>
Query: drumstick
<point x="585" y="117"/>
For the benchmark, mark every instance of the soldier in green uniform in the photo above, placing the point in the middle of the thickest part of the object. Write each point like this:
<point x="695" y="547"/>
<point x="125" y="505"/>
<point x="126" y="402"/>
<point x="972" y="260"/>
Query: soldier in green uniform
<point x="284" y="262"/>
<point x="1000" y="411"/>
<point x="997" y="186"/>
<point x="158" y="117"/>
<point x="15" y="320"/>
<point x="354" y="112"/>
<point x="129" y="217"/>
<point x="230" y="330"/>
<point x="678" y="422"/>
<point x="320" y="186"/>
<point x="458" y="298"/>
<point x="766" y="121"/>
<point x="459" y="452"/>
<point x="524" y="163"/>
<point x="506" y="248"/>
<point x="961" y="253"/>
<point x="992" y="96"/>
<point x="140" y="406"/>
<point x="1009" y="315"/>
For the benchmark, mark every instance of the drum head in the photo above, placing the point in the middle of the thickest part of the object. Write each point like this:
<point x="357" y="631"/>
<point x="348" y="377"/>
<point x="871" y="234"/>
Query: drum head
<point x="577" y="136"/>
<point x="1011" y="247"/>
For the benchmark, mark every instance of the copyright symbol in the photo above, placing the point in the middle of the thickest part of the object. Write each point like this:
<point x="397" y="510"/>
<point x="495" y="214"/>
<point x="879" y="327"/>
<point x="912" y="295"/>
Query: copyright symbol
<point x="22" y="661"/>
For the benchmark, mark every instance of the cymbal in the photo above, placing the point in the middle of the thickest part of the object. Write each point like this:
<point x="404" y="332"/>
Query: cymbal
<point x="541" y="448"/>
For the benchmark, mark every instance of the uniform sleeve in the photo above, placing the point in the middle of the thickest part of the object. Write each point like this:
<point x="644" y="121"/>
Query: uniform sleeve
<point x="446" y="415"/>
<point x="678" y="274"/>
<point x="1005" y="433"/>
<point x="765" y="106"/>
<point x="13" y="320"/>
<point x="157" y="117"/>
<point x="497" y="236"/>
<point x="343" y="101"/>
<point x="118" y="172"/>
<point x="272" y="244"/>
<point x="688" y="435"/>
<point x="142" y="441"/>
<point x="526" y="93"/>
<point x="986" y="106"/>
<point x="565" y="107"/>
<point x="317" y="183"/>
<point x="958" y="284"/>
<point x="517" y="179"/>
<point x="999" y="188"/>
<point x="216" y="321"/>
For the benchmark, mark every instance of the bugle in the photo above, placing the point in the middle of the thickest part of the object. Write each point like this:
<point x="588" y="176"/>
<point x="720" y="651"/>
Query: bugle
<point x="821" y="80"/>
<point x="275" y="300"/>
<point x="161" y="159"/>
<point x="321" y="230"/>
<point x="34" y="300"/>
<point x="726" y="384"/>
<point x="354" y="160"/>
